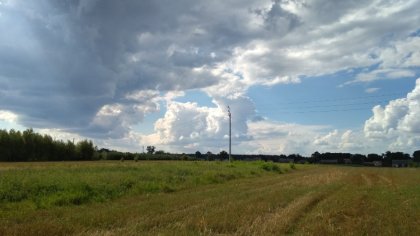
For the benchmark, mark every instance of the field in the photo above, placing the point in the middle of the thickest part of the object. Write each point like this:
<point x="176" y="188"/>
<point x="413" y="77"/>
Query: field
<point x="206" y="198"/>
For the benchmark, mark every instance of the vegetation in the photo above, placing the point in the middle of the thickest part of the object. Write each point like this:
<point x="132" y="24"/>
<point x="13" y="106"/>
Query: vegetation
<point x="192" y="198"/>
<point x="45" y="185"/>
<point x="31" y="146"/>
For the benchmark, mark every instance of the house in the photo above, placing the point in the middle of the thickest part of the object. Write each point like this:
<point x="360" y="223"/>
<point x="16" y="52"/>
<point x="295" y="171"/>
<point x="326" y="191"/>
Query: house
<point x="400" y="163"/>
<point x="373" y="163"/>
<point x="347" y="161"/>
<point x="377" y="163"/>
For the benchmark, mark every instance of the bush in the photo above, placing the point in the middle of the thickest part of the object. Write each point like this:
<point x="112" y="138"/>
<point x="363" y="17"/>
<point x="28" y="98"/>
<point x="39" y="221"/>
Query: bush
<point x="269" y="166"/>
<point x="292" y="165"/>
<point x="414" y="165"/>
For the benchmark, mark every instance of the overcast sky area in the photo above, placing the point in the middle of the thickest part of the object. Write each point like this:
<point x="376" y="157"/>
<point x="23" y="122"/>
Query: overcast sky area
<point x="299" y="75"/>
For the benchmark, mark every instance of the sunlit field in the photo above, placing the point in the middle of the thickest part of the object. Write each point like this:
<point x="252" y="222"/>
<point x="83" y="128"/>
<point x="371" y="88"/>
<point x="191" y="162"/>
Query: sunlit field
<point x="190" y="198"/>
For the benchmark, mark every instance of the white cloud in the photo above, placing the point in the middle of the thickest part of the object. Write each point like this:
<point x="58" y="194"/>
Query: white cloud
<point x="382" y="74"/>
<point x="327" y="139"/>
<point x="59" y="134"/>
<point x="396" y="61"/>
<point x="372" y="90"/>
<point x="8" y="116"/>
<point x="397" y="123"/>
<point x="116" y="120"/>
<point x="404" y="53"/>
<point x="187" y="125"/>
<point x="281" y="138"/>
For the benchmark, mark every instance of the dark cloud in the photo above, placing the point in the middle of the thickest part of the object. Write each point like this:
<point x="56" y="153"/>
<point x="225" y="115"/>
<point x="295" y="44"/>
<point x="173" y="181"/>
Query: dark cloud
<point x="277" y="19"/>
<point x="64" y="60"/>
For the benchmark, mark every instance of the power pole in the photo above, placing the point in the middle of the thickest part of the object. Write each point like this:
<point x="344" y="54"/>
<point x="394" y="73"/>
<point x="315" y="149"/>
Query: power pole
<point x="230" y="135"/>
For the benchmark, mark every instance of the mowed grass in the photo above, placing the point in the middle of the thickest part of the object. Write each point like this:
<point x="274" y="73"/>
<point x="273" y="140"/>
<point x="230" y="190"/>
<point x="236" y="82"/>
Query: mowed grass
<point x="207" y="198"/>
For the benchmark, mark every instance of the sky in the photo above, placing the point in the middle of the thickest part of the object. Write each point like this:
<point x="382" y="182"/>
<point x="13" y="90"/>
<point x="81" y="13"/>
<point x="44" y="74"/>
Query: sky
<point x="299" y="75"/>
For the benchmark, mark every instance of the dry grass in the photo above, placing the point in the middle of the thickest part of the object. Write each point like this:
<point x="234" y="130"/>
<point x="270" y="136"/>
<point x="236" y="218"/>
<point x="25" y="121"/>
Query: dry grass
<point x="318" y="200"/>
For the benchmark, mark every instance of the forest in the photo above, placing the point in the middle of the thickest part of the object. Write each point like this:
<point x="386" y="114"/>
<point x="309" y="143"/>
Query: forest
<point x="31" y="146"/>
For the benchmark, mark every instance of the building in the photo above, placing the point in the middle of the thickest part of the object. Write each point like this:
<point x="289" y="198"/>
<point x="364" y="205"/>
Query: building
<point x="400" y="163"/>
<point x="373" y="163"/>
<point x="377" y="163"/>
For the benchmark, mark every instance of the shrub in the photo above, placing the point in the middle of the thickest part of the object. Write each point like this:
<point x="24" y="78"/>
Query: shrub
<point x="292" y="165"/>
<point x="269" y="166"/>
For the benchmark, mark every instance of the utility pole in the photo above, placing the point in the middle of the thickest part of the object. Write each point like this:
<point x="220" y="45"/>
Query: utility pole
<point x="230" y="135"/>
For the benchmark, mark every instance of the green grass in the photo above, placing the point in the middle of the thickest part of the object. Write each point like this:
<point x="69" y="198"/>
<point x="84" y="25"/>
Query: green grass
<point x="207" y="198"/>
<point x="45" y="185"/>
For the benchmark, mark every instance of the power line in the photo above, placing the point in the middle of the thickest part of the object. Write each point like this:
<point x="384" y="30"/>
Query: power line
<point x="333" y="105"/>
<point x="342" y="99"/>
<point x="318" y="111"/>
<point x="288" y="108"/>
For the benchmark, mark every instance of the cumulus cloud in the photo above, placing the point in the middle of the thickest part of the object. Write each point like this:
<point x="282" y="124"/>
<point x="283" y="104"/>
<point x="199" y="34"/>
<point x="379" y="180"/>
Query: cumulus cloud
<point x="188" y="126"/>
<point x="343" y="141"/>
<point x="274" y="137"/>
<point x="397" y="123"/>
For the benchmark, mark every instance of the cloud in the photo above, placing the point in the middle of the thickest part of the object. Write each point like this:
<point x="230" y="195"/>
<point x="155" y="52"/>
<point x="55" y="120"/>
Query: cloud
<point x="8" y="116"/>
<point x="372" y="90"/>
<point x="384" y="74"/>
<point x="271" y="137"/>
<point x="286" y="138"/>
<point x="187" y="126"/>
<point x="342" y="141"/>
<point x="396" y="61"/>
<point x="397" y="123"/>
<point x="97" y="68"/>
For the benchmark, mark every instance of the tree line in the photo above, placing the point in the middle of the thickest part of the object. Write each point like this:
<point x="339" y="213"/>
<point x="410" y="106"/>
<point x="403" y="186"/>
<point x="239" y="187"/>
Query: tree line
<point x="31" y="146"/>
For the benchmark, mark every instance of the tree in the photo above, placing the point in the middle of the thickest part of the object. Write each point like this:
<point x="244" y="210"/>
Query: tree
<point x="358" y="159"/>
<point x="150" y="149"/>
<point x="198" y="155"/>
<point x="85" y="150"/>
<point x="160" y="152"/>
<point x="209" y="156"/>
<point x="315" y="157"/>
<point x="223" y="155"/>
<point x="295" y="157"/>
<point x="373" y="157"/>
<point x="416" y="156"/>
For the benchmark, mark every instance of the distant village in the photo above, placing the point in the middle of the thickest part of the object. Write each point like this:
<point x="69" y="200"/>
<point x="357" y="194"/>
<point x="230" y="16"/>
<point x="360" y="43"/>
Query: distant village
<point x="388" y="159"/>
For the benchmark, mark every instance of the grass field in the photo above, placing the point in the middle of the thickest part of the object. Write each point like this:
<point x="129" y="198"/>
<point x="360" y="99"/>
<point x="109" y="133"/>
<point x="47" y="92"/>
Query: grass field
<point x="206" y="198"/>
